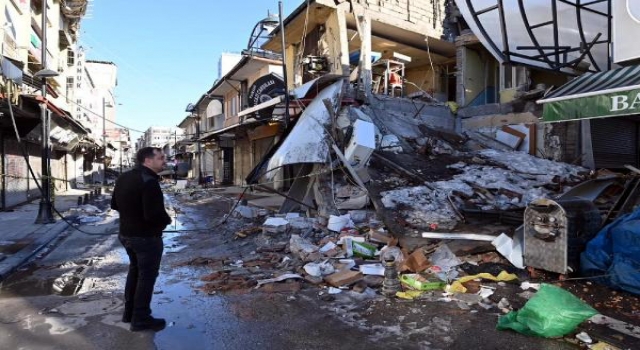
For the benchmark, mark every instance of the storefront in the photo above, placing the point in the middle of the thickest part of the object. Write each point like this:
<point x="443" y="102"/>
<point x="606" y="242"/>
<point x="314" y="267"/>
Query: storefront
<point x="608" y="104"/>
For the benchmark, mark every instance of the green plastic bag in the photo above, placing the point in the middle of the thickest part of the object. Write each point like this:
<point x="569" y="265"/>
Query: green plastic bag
<point x="552" y="312"/>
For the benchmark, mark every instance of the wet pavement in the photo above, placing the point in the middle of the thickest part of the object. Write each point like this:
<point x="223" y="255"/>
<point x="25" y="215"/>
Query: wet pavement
<point x="71" y="298"/>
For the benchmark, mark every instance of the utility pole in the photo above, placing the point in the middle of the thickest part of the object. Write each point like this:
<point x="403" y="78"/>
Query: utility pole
<point x="198" y="149"/>
<point x="284" y="69"/>
<point x="104" y="142"/>
<point x="175" y="154"/>
<point x="45" y="213"/>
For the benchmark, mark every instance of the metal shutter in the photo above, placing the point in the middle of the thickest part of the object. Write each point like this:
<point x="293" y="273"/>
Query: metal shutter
<point x="614" y="142"/>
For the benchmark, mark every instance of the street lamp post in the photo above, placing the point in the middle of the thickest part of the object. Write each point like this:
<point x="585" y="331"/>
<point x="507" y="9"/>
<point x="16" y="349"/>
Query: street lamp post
<point x="45" y="208"/>
<point x="195" y="110"/>
<point x="104" y="143"/>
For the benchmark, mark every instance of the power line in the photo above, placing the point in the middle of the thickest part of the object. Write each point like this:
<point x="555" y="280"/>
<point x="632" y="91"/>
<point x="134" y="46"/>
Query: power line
<point x="101" y="116"/>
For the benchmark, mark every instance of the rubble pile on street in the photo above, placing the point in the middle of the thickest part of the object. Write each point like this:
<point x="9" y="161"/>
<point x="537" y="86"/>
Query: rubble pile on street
<point x="391" y="176"/>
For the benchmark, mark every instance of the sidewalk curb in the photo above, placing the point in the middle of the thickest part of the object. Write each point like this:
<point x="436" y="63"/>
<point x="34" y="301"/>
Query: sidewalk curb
<point x="45" y="233"/>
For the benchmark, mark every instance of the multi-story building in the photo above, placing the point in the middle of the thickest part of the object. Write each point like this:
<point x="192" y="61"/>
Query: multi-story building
<point x="33" y="54"/>
<point x="159" y="136"/>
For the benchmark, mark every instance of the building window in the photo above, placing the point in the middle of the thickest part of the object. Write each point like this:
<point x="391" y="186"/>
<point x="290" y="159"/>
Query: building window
<point x="71" y="58"/>
<point x="513" y="76"/>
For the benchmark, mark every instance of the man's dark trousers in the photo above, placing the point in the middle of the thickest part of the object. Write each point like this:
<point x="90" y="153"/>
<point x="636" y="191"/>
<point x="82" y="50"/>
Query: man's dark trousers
<point x="145" y="254"/>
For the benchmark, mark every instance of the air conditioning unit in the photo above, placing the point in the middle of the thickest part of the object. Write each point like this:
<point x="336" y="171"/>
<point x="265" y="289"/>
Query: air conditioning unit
<point x="315" y="64"/>
<point x="362" y="143"/>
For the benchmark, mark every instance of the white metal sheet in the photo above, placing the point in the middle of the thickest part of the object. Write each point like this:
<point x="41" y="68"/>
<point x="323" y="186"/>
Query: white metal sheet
<point x="307" y="141"/>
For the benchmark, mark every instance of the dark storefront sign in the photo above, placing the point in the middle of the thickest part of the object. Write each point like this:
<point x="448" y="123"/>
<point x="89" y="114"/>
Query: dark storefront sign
<point x="264" y="89"/>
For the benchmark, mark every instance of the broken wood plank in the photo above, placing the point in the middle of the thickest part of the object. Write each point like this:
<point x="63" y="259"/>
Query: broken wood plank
<point x="343" y="278"/>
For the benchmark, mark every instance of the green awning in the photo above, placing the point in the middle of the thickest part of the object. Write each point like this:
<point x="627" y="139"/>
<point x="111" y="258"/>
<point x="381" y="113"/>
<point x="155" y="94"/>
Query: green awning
<point x="595" y="95"/>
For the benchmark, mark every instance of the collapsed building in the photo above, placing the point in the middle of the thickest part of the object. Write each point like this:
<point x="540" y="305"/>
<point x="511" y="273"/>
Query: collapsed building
<point x="409" y="121"/>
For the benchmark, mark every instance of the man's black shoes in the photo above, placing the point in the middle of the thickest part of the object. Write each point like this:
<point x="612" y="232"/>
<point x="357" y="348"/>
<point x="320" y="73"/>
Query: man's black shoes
<point x="126" y="317"/>
<point x="149" y="324"/>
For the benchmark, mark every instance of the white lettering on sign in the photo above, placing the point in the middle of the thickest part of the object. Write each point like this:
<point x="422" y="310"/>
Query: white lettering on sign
<point x="621" y="102"/>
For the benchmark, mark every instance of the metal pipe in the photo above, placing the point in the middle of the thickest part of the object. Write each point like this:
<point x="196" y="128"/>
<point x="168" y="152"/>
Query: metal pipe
<point x="284" y="68"/>
<point x="199" y="149"/>
<point x="104" y="143"/>
<point x="45" y="213"/>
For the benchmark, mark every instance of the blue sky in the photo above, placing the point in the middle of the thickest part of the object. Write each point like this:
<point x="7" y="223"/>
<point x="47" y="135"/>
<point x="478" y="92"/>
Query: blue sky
<point x="167" y="51"/>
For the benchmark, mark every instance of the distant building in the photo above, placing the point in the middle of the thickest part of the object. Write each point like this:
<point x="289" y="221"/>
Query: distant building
<point x="159" y="136"/>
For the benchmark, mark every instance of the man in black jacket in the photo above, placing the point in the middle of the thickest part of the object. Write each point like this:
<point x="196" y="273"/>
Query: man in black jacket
<point x="138" y="198"/>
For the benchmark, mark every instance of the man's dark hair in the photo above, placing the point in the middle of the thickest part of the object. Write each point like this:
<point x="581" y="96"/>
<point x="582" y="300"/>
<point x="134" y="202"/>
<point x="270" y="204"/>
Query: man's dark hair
<point x="146" y="152"/>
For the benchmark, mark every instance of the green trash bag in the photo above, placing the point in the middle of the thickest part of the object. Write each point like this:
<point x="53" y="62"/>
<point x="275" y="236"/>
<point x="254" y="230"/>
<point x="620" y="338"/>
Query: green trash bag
<point x="552" y="312"/>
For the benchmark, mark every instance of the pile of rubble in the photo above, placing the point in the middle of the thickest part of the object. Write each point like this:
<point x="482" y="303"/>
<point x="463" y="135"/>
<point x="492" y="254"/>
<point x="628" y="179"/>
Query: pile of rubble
<point x="374" y="178"/>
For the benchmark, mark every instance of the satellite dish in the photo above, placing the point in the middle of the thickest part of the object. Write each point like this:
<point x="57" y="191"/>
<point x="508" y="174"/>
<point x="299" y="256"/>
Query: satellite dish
<point x="633" y="8"/>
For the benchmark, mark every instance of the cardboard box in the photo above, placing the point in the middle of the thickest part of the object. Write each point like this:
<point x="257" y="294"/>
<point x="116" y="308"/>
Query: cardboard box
<point x="343" y="278"/>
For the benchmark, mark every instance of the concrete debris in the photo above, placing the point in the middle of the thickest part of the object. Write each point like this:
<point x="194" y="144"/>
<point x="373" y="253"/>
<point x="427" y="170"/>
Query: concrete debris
<point x="275" y="225"/>
<point x="390" y="143"/>
<point x="421" y="178"/>
<point x="277" y="279"/>
<point x="246" y="211"/>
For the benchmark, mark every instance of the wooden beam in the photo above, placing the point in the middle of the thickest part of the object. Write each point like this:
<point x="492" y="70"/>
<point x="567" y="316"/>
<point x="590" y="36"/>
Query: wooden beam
<point x="499" y="120"/>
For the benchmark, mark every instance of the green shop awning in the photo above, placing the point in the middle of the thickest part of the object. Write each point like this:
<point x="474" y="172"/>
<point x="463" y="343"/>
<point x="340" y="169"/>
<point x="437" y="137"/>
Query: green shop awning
<point x="595" y="95"/>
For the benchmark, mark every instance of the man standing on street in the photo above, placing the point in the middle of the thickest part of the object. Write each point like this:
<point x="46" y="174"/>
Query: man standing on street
<point x="138" y="198"/>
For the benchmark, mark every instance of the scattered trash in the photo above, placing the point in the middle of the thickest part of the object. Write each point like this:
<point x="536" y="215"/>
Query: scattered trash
<point x="457" y="287"/>
<point x="333" y="290"/>
<point x="528" y="285"/>
<point x="552" y="312"/>
<point x="444" y="262"/>
<point x="584" y="337"/>
<point x="319" y="269"/>
<point x="337" y="223"/>
<point x="409" y="294"/>
<point x="372" y="269"/>
<point x="418" y="282"/>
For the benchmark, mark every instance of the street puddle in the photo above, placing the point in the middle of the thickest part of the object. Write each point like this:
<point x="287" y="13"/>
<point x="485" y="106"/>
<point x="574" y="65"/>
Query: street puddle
<point x="171" y="235"/>
<point x="39" y="281"/>
<point x="192" y="317"/>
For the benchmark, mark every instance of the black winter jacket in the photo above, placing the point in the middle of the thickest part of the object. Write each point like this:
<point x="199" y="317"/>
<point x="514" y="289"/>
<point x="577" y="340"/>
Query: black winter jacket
<point x="138" y="198"/>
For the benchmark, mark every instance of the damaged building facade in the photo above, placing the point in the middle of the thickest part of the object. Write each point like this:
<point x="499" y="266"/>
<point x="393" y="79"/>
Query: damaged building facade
<point x="516" y="61"/>
<point x="76" y="155"/>
<point x="435" y="62"/>
<point x="402" y="54"/>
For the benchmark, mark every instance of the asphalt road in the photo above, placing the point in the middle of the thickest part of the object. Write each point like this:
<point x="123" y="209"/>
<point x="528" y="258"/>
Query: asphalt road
<point x="72" y="299"/>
